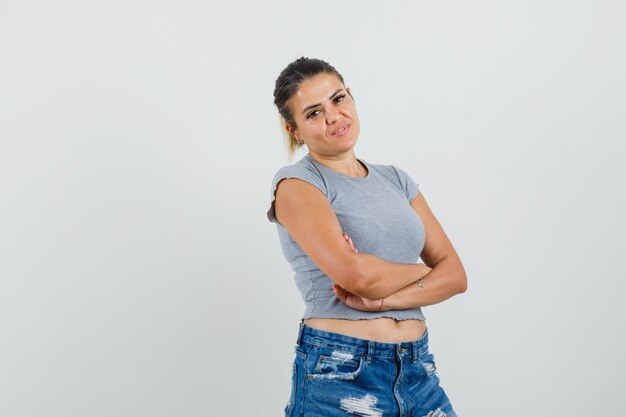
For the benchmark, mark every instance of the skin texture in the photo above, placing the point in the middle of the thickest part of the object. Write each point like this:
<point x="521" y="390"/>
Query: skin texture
<point x="363" y="281"/>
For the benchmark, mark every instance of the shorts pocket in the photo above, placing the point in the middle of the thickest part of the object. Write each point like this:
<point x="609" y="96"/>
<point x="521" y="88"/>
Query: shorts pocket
<point x="427" y="361"/>
<point x="332" y="364"/>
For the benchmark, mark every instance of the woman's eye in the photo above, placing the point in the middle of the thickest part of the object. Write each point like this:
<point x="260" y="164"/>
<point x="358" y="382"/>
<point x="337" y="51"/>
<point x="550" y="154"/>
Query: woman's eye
<point x="340" y="98"/>
<point x="313" y="113"/>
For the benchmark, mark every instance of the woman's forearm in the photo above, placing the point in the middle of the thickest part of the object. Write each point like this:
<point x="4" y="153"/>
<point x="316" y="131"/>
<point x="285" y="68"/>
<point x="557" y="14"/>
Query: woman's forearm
<point x="445" y="280"/>
<point x="378" y="278"/>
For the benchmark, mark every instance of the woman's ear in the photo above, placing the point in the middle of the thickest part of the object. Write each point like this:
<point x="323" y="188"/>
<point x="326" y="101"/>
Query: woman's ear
<point x="291" y="131"/>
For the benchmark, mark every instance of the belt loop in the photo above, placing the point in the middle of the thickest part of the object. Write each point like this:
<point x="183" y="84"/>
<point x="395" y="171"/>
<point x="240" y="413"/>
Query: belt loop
<point x="415" y="352"/>
<point x="299" y="340"/>
<point x="370" y="350"/>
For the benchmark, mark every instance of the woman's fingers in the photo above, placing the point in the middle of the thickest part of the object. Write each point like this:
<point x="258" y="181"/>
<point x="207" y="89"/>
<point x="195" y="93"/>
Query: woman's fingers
<point x="354" y="301"/>
<point x="340" y="293"/>
<point x="345" y="235"/>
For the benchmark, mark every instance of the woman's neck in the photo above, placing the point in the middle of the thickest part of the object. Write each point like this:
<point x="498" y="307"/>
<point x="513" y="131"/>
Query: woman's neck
<point x="345" y="164"/>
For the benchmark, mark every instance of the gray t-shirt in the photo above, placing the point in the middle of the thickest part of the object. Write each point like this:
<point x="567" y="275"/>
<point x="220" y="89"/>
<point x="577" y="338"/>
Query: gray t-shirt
<point x="374" y="211"/>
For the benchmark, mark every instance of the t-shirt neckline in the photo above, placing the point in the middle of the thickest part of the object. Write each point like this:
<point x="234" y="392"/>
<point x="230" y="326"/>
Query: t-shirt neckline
<point x="339" y="174"/>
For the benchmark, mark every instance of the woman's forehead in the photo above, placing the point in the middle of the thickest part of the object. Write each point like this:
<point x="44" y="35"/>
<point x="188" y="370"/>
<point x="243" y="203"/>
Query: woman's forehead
<point x="316" y="90"/>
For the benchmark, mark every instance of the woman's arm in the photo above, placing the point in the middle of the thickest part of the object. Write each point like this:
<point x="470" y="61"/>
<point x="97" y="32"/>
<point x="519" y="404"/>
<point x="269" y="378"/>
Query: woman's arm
<point x="446" y="278"/>
<point x="310" y="220"/>
<point x="433" y="290"/>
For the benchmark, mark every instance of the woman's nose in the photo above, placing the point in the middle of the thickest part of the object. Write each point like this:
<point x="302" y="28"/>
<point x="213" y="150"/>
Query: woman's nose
<point x="332" y="115"/>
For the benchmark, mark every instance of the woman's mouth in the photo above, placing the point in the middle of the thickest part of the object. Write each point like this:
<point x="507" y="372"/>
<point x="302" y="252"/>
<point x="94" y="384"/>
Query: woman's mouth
<point x="341" y="131"/>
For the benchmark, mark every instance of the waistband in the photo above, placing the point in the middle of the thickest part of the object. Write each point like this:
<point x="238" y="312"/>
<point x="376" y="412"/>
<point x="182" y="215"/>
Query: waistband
<point x="370" y="348"/>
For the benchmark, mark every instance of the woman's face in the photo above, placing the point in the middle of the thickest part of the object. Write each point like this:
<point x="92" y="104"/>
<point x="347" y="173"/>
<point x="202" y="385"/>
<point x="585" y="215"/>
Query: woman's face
<point x="325" y="115"/>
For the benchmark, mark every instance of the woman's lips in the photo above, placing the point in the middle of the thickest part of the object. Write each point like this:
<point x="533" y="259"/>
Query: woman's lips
<point x="341" y="132"/>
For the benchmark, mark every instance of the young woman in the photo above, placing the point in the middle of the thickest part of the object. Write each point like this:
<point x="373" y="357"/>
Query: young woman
<point x="352" y="232"/>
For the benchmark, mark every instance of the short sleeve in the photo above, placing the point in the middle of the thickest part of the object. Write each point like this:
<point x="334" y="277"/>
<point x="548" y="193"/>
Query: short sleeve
<point x="293" y="171"/>
<point x="410" y="187"/>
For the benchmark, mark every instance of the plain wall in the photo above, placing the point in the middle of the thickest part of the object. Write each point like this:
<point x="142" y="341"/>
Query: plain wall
<point x="139" y="275"/>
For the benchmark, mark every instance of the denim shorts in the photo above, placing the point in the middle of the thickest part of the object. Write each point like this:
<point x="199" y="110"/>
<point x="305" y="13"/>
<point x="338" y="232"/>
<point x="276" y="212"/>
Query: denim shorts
<point x="338" y="375"/>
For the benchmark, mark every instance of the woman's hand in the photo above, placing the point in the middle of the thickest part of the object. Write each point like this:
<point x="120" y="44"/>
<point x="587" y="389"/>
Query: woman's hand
<point x="357" y="302"/>
<point x="347" y="238"/>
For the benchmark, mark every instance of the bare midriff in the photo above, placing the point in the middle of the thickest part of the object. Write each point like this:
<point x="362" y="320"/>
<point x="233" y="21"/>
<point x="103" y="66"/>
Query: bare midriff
<point x="382" y="329"/>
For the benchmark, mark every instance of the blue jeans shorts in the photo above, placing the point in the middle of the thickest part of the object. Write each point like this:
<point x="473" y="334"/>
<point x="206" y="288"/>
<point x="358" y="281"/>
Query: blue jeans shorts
<point x="338" y="375"/>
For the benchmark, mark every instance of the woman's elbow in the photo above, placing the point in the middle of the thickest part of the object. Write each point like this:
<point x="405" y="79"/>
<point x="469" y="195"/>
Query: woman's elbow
<point x="352" y="275"/>
<point x="462" y="282"/>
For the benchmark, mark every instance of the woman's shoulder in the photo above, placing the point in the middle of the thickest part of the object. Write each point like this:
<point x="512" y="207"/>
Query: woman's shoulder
<point x="303" y="169"/>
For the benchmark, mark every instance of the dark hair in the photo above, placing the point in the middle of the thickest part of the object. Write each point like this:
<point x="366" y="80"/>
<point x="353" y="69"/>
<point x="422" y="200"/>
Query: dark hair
<point x="289" y="81"/>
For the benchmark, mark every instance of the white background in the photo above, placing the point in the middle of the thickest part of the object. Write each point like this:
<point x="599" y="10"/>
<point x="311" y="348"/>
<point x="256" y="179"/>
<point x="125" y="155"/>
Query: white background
<point x="139" y="275"/>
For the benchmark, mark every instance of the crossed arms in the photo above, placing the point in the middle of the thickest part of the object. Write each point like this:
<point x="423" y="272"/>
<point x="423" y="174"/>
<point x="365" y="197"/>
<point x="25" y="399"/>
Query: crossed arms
<point x="309" y="218"/>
